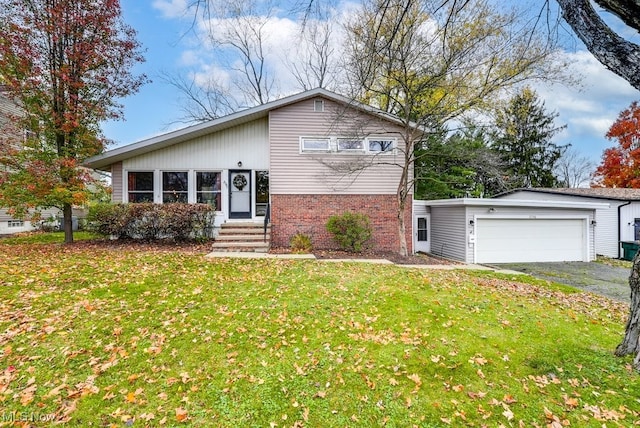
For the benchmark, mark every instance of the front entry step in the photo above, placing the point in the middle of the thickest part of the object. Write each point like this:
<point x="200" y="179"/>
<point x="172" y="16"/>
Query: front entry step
<point x="246" y="237"/>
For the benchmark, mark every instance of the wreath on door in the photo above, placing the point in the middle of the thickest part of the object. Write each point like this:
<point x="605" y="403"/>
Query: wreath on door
<point x="240" y="181"/>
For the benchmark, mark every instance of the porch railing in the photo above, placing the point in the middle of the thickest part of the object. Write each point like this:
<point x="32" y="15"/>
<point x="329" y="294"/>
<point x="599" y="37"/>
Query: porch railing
<point x="267" y="219"/>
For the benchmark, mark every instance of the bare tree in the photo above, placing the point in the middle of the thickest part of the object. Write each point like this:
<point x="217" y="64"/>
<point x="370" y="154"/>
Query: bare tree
<point x="314" y="66"/>
<point x="428" y="63"/>
<point x="574" y="169"/>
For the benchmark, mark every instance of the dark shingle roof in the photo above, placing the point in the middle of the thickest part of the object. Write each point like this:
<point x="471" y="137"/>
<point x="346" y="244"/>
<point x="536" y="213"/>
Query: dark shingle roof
<point x="590" y="192"/>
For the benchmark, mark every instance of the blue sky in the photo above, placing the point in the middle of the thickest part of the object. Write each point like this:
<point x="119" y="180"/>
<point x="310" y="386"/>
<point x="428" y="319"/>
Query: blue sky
<point x="162" y="28"/>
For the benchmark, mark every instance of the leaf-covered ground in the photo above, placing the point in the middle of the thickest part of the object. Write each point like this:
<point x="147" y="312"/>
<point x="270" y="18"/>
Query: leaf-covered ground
<point x="94" y="335"/>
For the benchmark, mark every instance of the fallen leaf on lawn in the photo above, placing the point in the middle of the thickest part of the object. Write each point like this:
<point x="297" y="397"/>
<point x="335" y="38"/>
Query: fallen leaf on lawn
<point x="181" y="414"/>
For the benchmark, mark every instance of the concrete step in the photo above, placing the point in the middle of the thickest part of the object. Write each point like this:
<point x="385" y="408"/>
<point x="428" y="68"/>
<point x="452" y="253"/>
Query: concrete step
<point x="244" y="231"/>
<point x="240" y="246"/>
<point x="243" y="237"/>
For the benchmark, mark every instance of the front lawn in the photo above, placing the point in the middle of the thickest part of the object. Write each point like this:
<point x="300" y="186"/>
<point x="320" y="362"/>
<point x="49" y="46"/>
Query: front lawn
<point x="99" y="334"/>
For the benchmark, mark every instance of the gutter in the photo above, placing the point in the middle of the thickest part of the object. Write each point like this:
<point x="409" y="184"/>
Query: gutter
<point x="619" y="233"/>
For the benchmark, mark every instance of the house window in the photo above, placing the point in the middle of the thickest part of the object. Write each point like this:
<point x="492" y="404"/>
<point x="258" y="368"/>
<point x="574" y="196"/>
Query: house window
<point x="318" y="105"/>
<point x="140" y="187"/>
<point x="262" y="192"/>
<point x="423" y="229"/>
<point x="636" y="229"/>
<point x="15" y="223"/>
<point x="315" y="144"/>
<point x="350" y="144"/>
<point x="175" y="187"/>
<point x="380" y="145"/>
<point x="208" y="189"/>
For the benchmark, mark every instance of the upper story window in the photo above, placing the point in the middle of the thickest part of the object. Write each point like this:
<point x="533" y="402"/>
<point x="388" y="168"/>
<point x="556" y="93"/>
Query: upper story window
<point x="175" y="187"/>
<point x="350" y="144"/>
<point x="140" y="186"/>
<point x="318" y="105"/>
<point x="315" y="144"/>
<point x="381" y="145"/>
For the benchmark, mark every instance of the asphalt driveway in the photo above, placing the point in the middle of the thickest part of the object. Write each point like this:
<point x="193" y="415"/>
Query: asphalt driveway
<point x="599" y="278"/>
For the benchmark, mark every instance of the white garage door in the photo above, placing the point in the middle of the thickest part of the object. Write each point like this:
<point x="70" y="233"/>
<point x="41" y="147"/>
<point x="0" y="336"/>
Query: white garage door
<point x="530" y="240"/>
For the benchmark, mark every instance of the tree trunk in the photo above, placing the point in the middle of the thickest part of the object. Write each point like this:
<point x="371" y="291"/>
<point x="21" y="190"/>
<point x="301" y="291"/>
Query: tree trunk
<point x="67" y="223"/>
<point x="631" y="342"/>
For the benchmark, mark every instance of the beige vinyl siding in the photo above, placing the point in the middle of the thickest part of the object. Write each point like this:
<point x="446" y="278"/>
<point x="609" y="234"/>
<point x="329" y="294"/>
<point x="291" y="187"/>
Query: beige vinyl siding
<point x="117" y="182"/>
<point x="293" y="172"/>
<point x="449" y="232"/>
<point x="246" y="143"/>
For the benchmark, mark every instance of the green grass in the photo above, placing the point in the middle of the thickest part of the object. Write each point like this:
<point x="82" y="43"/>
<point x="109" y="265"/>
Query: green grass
<point x="108" y="335"/>
<point x="46" y="238"/>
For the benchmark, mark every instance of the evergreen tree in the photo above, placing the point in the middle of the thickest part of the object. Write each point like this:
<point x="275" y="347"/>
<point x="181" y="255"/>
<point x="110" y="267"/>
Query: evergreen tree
<point x="523" y="136"/>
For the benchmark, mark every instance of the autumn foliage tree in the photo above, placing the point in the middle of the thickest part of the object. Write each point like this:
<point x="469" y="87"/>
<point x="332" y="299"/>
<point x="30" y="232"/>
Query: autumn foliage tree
<point x="65" y="63"/>
<point x="620" y="165"/>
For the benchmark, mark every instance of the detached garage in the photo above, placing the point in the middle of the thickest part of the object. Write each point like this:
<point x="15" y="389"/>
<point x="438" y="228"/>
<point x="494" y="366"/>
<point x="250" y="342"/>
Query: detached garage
<point x="509" y="231"/>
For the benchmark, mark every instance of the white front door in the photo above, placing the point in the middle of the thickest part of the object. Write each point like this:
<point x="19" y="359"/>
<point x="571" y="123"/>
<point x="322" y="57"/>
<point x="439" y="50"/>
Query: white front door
<point x="240" y="194"/>
<point x="422" y="233"/>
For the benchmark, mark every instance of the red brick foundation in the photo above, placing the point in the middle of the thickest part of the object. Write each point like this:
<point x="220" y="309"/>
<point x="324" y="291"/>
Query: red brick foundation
<point x="308" y="214"/>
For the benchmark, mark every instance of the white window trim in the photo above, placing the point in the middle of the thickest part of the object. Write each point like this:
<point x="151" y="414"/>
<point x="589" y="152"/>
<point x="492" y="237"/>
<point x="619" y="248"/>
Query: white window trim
<point x="333" y="144"/>
<point x="161" y="183"/>
<point x="14" y="224"/>
<point x="193" y="186"/>
<point x="392" y="140"/>
<point x="361" y="140"/>
<point x="318" y="105"/>
<point x="192" y="193"/>
<point x="305" y="150"/>
<point x="125" y="183"/>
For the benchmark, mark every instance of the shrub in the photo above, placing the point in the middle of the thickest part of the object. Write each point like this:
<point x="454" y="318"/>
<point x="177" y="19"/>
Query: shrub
<point x="300" y="243"/>
<point x="150" y="221"/>
<point x="351" y="231"/>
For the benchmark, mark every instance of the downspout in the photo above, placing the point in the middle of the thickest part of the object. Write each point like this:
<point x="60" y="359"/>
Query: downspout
<point x="619" y="225"/>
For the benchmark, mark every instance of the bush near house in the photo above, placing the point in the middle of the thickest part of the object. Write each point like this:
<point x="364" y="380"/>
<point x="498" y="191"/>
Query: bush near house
<point x="148" y="221"/>
<point x="350" y="230"/>
<point x="301" y="243"/>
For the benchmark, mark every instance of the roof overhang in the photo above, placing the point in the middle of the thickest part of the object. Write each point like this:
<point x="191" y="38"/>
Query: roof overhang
<point x="106" y="159"/>
<point x="480" y="202"/>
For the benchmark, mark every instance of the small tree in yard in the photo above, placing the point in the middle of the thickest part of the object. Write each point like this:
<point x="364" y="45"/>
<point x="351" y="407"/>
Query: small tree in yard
<point x="64" y="63"/>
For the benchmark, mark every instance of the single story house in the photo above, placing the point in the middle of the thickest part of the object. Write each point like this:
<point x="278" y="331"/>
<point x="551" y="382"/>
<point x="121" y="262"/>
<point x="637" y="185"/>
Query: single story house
<point x="617" y="222"/>
<point x="507" y="230"/>
<point x="301" y="158"/>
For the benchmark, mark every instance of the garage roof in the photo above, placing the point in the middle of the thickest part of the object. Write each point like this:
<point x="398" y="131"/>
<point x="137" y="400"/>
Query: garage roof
<point x="512" y="203"/>
<point x="589" y="192"/>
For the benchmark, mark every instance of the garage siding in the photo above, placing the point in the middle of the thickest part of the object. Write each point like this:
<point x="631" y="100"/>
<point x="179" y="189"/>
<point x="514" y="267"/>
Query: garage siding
<point x="449" y="237"/>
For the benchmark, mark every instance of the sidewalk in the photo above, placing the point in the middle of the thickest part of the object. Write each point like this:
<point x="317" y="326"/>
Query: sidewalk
<point x="252" y="255"/>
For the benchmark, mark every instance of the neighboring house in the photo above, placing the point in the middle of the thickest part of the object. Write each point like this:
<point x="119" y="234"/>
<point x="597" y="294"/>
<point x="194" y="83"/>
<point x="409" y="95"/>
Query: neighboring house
<point x="507" y="230"/>
<point x="618" y="222"/>
<point x="306" y="157"/>
<point x="9" y="110"/>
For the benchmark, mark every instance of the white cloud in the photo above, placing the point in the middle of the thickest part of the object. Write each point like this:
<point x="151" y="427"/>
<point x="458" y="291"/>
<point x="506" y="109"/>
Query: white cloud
<point x="590" y="109"/>
<point x="171" y="8"/>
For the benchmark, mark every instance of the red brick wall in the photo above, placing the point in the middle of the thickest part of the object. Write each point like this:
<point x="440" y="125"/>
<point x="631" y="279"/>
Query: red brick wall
<point x="308" y="214"/>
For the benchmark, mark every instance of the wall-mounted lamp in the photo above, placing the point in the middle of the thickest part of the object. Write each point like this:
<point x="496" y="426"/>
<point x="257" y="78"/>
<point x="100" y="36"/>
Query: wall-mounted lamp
<point x="593" y="222"/>
<point x="492" y="210"/>
<point x="471" y="222"/>
<point x="239" y="164"/>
